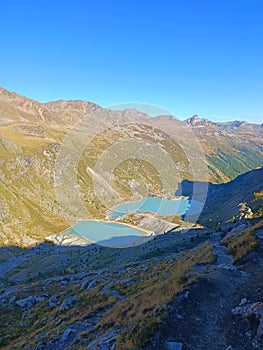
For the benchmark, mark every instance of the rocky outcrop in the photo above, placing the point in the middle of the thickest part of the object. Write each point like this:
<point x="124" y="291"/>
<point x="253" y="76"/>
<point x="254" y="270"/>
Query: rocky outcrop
<point x="105" y="342"/>
<point x="53" y="301"/>
<point x="245" y="211"/>
<point x="68" y="303"/>
<point x="251" y="311"/>
<point x="196" y="121"/>
<point x="29" y="301"/>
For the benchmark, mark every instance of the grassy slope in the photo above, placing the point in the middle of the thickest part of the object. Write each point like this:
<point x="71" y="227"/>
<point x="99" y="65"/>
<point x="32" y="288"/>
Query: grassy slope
<point x="240" y="245"/>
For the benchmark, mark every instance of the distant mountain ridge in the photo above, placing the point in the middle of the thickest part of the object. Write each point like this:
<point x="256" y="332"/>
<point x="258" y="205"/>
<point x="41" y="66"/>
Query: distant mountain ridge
<point x="196" y="121"/>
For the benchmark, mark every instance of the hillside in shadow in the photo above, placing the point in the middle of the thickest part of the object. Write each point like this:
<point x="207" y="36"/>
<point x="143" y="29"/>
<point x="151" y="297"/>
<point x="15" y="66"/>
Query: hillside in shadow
<point x="58" y="297"/>
<point x="223" y="200"/>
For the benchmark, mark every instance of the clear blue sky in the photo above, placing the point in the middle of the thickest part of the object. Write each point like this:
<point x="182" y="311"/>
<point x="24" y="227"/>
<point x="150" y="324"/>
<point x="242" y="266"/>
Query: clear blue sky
<point x="187" y="56"/>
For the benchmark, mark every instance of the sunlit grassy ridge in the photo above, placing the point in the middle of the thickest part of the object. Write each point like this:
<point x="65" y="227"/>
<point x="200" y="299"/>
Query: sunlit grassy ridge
<point x="240" y="245"/>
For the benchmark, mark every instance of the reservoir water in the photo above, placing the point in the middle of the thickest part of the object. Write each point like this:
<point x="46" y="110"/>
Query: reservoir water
<point x="106" y="233"/>
<point x="159" y="206"/>
<point x="114" y="234"/>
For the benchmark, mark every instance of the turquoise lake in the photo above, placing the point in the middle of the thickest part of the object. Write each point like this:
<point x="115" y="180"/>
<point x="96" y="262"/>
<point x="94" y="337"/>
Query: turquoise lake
<point x="159" y="206"/>
<point x="112" y="234"/>
<point x="108" y="234"/>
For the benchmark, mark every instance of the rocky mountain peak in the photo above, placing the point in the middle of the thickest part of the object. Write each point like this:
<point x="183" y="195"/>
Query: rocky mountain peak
<point x="195" y="120"/>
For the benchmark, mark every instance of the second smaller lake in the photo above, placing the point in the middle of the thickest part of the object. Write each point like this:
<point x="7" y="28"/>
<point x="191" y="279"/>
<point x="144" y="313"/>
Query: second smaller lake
<point x="159" y="206"/>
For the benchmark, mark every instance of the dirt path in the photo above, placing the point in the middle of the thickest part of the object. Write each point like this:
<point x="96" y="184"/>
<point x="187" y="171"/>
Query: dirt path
<point x="202" y="318"/>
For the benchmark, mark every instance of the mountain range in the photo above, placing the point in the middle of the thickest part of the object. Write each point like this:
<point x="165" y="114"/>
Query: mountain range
<point x="195" y="283"/>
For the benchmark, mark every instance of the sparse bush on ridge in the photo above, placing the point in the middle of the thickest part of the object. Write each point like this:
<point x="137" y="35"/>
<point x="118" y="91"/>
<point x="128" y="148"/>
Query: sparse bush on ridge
<point x="240" y="245"/>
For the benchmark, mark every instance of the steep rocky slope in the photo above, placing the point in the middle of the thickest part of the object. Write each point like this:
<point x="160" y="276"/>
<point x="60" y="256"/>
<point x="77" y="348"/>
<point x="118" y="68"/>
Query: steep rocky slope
<point x="227" y="201"/>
